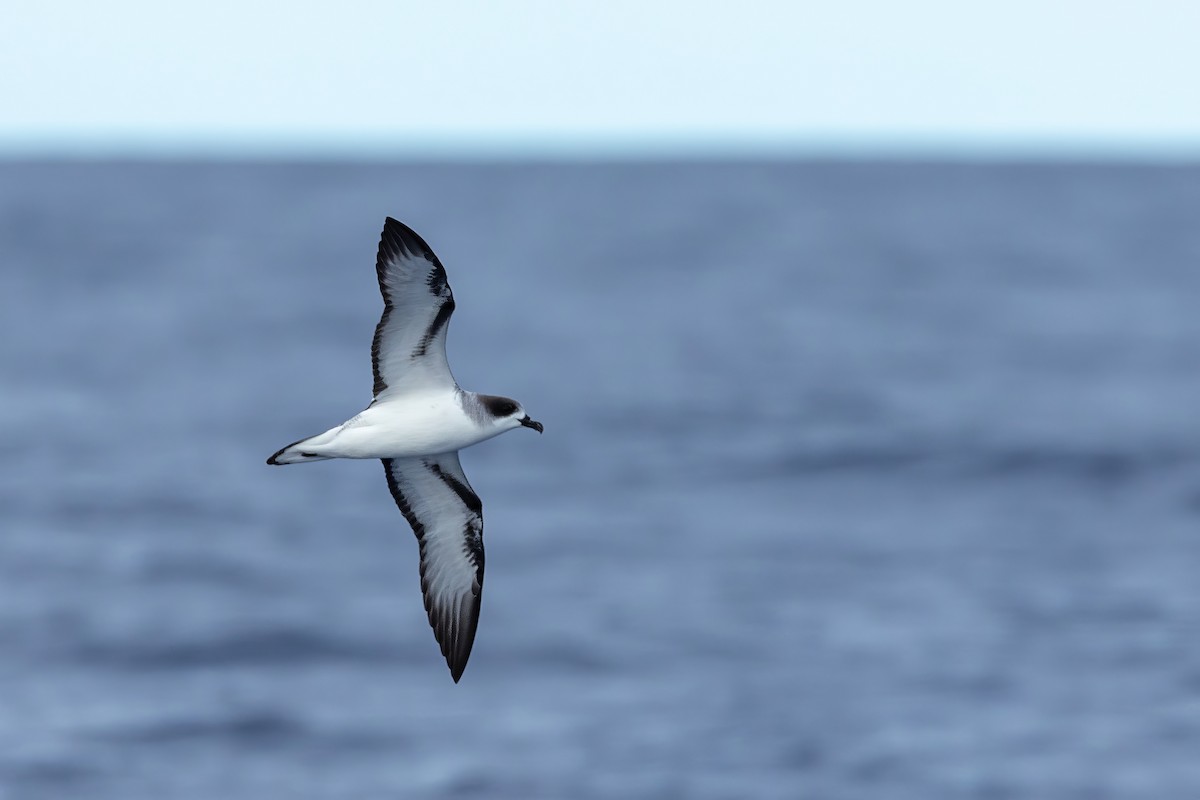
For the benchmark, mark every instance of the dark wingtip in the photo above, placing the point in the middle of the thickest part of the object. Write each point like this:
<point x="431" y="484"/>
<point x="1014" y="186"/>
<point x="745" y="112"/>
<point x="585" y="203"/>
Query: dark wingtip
<point x="274" y="456"/>
<point x="457" y="656"/>
<point x="403" y="238"/>
<point x="456" y="660"/>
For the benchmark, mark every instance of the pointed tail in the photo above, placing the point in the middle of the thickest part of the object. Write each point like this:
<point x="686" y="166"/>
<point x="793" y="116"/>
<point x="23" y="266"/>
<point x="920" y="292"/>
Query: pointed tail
<point x="294" y="453"/>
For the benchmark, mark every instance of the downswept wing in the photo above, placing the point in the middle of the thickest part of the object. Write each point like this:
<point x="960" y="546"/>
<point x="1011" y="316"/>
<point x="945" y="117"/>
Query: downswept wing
<point x="447" y="517"/>
<point x="409" y="348"/>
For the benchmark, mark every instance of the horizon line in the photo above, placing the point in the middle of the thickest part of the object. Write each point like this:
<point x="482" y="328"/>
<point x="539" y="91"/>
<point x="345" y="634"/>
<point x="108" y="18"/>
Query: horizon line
<point x="551" y="148"/>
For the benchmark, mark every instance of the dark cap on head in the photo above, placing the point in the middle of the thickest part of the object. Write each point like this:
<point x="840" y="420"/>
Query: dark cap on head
<point x="498" y="406"/>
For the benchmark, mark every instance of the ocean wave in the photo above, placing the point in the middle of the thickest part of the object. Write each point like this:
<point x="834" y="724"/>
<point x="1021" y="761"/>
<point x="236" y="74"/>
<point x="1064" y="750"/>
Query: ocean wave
<point x="283" y="646"/>
<point x="249" y="726"/>
<point x="1099" y="465"/>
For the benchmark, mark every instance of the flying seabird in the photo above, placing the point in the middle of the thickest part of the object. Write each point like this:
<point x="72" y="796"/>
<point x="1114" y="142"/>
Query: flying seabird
<point x="417" y="422"/>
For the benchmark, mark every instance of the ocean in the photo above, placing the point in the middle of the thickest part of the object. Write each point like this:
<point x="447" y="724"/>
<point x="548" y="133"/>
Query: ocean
<point x="859" y="480"/>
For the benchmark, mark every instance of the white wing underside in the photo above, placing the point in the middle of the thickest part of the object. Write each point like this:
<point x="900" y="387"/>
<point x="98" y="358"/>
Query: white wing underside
<point x="408" y="352"/>
<point x="447" y="518"/>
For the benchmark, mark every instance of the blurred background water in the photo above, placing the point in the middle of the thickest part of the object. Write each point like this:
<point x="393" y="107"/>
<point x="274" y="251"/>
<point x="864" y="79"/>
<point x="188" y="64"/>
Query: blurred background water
<point x="858" y="480"/>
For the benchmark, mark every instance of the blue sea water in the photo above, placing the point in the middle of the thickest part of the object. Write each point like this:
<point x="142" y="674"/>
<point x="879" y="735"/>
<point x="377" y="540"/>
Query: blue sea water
<point x="859" y="480"/>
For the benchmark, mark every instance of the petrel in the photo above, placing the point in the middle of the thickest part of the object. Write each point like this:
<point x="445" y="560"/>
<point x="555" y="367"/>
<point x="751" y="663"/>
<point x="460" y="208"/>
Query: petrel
<point x="417" y="422"/>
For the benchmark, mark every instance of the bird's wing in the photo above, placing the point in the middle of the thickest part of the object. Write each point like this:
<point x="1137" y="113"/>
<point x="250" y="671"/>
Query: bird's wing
<point x="447" y="517"/>
<point x="409" y="348"/>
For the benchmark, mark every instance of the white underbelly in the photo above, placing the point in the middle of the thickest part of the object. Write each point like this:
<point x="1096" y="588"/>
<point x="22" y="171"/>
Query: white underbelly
<point x="414" y="427"/>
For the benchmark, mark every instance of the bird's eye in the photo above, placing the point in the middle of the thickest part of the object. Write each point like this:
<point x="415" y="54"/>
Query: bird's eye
<point x="500" y="407"/>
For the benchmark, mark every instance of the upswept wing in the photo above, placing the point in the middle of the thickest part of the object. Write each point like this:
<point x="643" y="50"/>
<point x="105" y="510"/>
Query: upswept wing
<point x="447" y="517"/>
<point x="409" y="349"/>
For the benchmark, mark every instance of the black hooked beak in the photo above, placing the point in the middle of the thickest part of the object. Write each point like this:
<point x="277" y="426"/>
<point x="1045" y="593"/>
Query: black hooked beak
<point x="529" y="423"/>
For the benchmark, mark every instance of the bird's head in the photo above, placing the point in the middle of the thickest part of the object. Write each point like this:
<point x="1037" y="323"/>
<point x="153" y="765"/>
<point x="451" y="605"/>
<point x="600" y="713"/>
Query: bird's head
<point x="508" y="413"/>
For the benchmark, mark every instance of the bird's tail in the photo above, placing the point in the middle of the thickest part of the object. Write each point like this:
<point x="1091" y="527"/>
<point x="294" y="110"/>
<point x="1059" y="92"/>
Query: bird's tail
<point x="295" y="453"/>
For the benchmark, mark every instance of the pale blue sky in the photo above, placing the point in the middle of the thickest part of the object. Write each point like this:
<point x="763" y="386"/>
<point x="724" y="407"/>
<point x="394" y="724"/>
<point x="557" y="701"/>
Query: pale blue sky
<point x="548" y="76"/>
